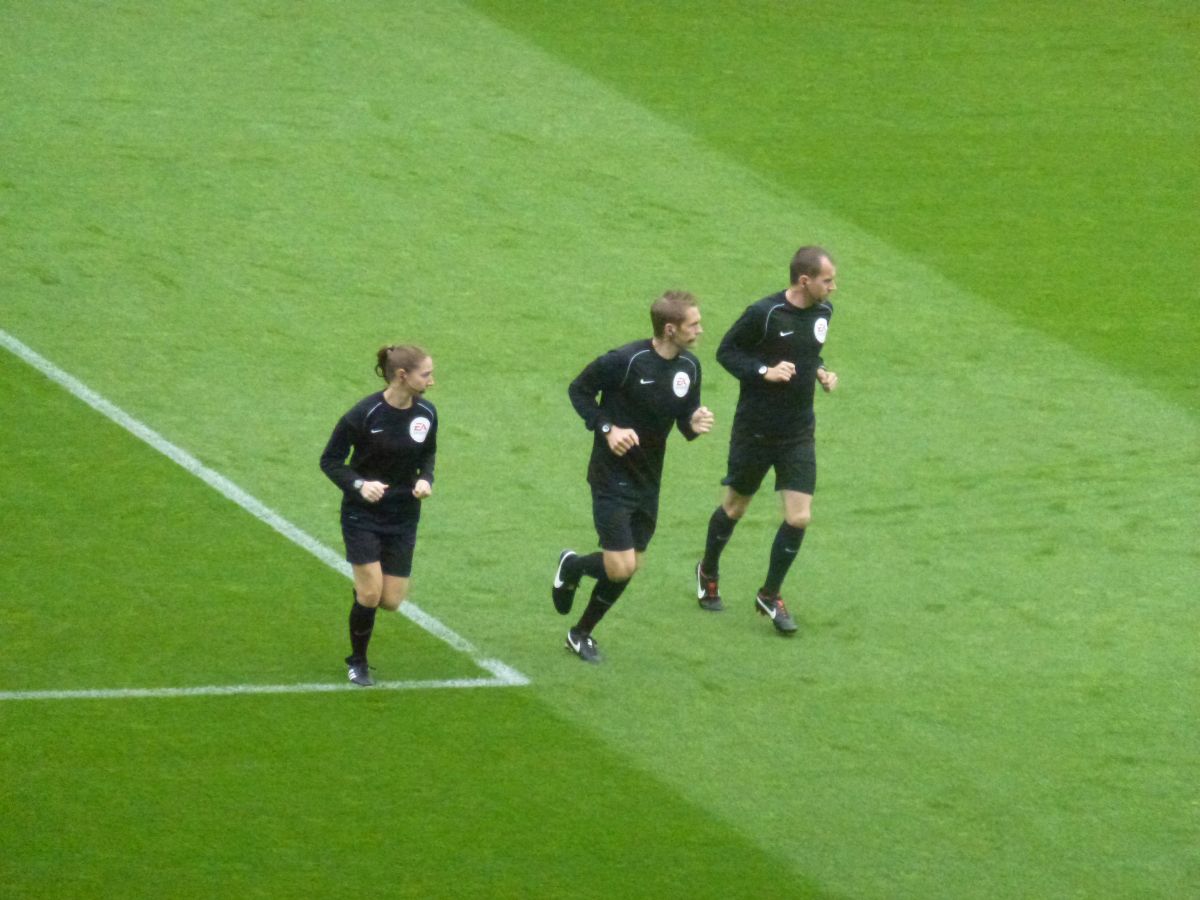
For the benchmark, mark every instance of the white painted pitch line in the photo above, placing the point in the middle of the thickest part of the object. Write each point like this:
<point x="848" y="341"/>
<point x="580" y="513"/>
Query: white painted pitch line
<point x="506" y="676"/>
<point x="226" y="690"/>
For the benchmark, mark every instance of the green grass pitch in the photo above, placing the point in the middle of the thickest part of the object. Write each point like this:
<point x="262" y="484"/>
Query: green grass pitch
<point x="213" y="214"/>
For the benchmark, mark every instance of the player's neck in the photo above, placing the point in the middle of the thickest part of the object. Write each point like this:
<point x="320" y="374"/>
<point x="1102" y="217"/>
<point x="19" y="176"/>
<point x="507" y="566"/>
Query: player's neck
<point x="798" y="298"/>
<point x="664" y="348"/>
<point x="399" y="397"/>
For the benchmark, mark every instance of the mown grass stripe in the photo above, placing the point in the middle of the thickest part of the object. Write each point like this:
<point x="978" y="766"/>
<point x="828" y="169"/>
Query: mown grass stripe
<point x="509" y="678"/>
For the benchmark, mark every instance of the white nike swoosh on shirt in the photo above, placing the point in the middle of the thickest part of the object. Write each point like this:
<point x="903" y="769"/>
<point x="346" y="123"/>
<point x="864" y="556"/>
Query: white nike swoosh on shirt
<point x="376" y="430"/>
<point x="786" y="333"/>
<point x="647" y="380"/>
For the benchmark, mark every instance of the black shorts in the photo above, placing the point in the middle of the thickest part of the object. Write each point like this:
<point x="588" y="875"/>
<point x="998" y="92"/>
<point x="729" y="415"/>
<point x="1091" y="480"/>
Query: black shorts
<point x="624" y="521"/>
<point x="393" y="549"/>
<point x="794" y="461"/>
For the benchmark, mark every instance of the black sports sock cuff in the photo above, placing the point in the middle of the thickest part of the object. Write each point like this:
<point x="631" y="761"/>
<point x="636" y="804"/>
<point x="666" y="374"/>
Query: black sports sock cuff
<point x="591" y="565"/>
<point x="362" y="617"/>
<point x="790" y="533"/>
<point x="608" y="592"/>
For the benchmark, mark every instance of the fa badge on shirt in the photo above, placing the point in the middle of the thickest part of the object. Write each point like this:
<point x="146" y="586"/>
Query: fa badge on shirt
<point x="418" y="429"/>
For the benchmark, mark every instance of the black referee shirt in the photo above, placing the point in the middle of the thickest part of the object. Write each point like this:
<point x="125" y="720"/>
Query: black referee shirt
<point x="375" y="441"/>
<point x="769" y="332"/>
<point x="638" y="389"/>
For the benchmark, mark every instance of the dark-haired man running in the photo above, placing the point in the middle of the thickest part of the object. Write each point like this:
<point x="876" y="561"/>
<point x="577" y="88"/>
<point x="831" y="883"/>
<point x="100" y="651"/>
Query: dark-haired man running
<point x="774" y="350"/>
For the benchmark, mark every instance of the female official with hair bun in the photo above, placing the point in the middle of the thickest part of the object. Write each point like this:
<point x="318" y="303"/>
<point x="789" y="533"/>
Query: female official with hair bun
<point x="381" y="454"/>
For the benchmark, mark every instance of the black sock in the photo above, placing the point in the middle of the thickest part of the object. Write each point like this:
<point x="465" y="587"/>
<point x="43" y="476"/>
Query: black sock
<point x="578" y="566"/>
<point x="604" y="595"/>
<point x="720" y="527"/>
<point x="362" y="623"/>
<point x="783" y="553"/>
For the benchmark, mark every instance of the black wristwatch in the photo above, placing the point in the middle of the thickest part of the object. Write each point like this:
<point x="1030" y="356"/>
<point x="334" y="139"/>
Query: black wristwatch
<point x="606" y="428"/>
<point x="762" y="370"/>
<point x="358" y="483"/>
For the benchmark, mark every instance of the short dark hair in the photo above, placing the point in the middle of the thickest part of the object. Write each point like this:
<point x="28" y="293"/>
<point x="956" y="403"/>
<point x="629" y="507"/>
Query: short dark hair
<point x="398" y="356"/>
<point x="807" y="261"/>
<point x="670" y="309"/>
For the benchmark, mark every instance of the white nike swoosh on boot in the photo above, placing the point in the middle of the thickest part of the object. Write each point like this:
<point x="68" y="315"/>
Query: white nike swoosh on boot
<point x="558" y="582"/>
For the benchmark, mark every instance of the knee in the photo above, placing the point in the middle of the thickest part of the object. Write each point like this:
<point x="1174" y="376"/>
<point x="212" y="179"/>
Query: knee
<point x="392" y="603"/>
<point x="620" y="569"/>
<point x="799" y="519"/>
<point x="368" y="597"/>
<point x="735" y="507"/>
